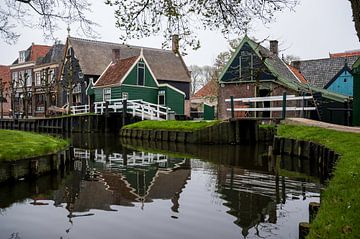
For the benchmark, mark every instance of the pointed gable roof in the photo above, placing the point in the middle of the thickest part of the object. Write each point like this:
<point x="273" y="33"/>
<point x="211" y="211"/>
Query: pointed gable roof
<point x="273" y="63"/>
<point x="94" y="56"/>
<point x="34" y="52"/>
<point x="209" y="89"/>
<point x="116" y="71"/>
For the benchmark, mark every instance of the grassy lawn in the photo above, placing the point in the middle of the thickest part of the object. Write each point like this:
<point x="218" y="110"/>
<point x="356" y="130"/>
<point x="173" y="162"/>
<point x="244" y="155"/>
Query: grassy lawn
<point x="339" y="215"/>
<point x="19" y="145"/>
<point x="171" y="125"/>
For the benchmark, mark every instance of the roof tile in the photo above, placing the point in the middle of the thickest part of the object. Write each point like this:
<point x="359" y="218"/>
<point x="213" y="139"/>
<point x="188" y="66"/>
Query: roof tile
<point x="116" y="71"/>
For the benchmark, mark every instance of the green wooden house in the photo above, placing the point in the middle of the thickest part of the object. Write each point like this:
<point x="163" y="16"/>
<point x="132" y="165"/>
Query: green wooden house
<point x="133" y="79"/>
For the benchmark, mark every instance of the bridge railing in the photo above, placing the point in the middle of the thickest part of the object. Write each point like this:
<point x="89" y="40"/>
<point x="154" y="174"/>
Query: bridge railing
<point x="140" y="108"/>
<point x="280" y="98"/>
<point x="80" y="109"/>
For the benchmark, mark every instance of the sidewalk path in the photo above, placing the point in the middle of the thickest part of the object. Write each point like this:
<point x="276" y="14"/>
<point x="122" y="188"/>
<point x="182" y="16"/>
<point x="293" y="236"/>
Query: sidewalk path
<point x="309" y="122"/>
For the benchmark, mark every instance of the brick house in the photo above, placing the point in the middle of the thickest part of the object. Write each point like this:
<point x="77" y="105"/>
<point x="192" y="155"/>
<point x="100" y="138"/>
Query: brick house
<point x="4" y="84"/>
<point x="22" y="78"/>
<point x="254" y="70"/>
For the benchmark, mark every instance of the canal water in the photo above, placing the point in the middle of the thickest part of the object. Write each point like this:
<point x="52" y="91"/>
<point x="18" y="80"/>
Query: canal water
<point x="131" y="189"/>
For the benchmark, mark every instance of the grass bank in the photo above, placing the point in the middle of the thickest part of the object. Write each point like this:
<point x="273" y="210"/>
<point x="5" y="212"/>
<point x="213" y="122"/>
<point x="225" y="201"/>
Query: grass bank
<point x="172" y="125"/>
<point x="16" y="145"/>
<point x="339" y="215"/>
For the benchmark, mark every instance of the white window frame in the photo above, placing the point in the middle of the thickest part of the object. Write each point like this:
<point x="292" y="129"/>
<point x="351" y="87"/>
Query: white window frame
<point x="162" y="94"/>
<point x="125" y="95"/>
<point x="22" y="56"/>
<point x="140" y="65"/>
<point x="106" y="94"/>
<point x="29" y="79"/>
<point x="37" y="78"/>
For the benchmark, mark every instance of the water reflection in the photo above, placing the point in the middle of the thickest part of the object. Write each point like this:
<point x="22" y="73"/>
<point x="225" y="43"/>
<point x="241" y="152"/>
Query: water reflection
<point x="211" y="191"/>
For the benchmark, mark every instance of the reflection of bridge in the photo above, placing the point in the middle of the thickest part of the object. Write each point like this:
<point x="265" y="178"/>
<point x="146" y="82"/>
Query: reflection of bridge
<point x="121" y="159"/>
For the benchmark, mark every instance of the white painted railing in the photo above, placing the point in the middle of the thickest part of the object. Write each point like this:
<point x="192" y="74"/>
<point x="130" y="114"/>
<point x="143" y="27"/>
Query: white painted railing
<point x="140" y="108"/>
<point x="269" y="99"/>
<point x="80" y="109"/>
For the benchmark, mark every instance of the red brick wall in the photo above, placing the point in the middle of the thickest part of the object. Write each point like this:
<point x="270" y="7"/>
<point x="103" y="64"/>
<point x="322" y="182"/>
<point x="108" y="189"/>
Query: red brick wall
<point x="246" y="90"/>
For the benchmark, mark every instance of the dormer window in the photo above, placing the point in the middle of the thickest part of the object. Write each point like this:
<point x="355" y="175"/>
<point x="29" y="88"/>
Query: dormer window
<point x="141" y="73"/>
<point x="22" y="56"/>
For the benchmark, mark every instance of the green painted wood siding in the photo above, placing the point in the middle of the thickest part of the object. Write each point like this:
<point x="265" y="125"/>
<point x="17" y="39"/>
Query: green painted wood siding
<point x="131" y="79"/>
<point x="174" y="100"/>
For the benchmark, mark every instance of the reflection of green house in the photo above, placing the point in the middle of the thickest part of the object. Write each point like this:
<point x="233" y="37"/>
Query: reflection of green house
<point x="133" y="79"/>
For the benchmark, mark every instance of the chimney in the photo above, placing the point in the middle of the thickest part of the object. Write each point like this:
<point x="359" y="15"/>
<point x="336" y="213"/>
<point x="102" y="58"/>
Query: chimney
<point x="296" y="64"/>
<point x="175" y="43"/>
<point x="274" y="47"/>
<point x="115" y="55"/>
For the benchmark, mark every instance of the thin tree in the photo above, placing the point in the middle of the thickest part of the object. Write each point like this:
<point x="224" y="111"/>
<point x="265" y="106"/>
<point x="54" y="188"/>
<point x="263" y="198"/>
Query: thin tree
<point x="71" y="77"/>
<point x="48" y="85"/>
<point x="2" y="97"/>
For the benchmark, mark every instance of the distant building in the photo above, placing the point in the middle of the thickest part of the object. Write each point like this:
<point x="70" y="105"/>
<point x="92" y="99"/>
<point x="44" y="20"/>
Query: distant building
<point x="22" y="78"/>
<point x="204" y="101"/>
<point x="5" y="80"/>
<point x="46" y="77"/>
<point x="333" y="73"/>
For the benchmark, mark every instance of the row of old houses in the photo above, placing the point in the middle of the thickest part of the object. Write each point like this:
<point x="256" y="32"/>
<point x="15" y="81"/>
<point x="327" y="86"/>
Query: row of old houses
<point x="84" y="72"/>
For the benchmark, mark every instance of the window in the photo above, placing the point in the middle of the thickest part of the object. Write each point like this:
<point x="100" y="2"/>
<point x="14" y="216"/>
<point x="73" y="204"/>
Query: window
<point x="107" y="94"/>
<point x="37" y="79"/>
<point x="246" y="65"/>
<point x="345" y="80"/>
<point x="125" y="95"/>
<point x="141" y="73"/>
<point x="28" y="77"/>
<point x="22" y="56"/>
<point x="15" y="79"/>
<point x="161" y="97"/>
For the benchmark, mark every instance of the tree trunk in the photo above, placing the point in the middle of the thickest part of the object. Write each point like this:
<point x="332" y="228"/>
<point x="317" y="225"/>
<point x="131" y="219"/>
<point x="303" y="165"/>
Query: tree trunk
<point x="355" y="6"/>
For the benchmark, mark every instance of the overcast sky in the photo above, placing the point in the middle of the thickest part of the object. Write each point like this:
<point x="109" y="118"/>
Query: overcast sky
<point x="316" y="28"/>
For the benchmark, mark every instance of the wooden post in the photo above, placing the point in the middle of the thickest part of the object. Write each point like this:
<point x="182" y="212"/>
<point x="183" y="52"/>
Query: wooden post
<point x="124" y="111"/>
<point x="304" y="229"/>
<point x="232" y="107"/>
<point x="313" y="210"/>
<point x="284" y="106"/>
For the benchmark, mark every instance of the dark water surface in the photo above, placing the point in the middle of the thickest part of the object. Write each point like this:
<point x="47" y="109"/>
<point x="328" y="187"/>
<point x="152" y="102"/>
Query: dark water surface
<point x="121" y="190"/>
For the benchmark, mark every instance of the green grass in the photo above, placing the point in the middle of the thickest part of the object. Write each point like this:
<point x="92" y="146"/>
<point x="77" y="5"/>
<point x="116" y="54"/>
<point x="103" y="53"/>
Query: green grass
<point x="172" y="125"/>
<point x="19" y="145"/>
<point x="339" y="215"/>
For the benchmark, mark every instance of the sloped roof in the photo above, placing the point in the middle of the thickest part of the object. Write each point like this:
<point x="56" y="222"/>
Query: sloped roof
<point x="116" y="71"/>
<point x="209" y="89"/>
<point x="34" y="52"/>
<point x="283" y="73"/>
<point x="298" y="74"/>
<point x="345" y="54"/>
<point x="5" y="73"/>
<point x="54" y="55"/>
<point x="320" y="71"/>
<point x="275" y="65"/>
<point x="95" y="56"/>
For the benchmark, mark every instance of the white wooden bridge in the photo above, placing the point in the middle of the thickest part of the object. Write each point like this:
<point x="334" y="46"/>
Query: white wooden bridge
<point x="139" y="108"/>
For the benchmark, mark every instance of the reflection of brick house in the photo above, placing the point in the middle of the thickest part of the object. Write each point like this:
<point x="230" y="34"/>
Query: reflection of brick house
<point x="5" y="80"/>
<point x="256" y="71"/>
<point x="22" y="77"/>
